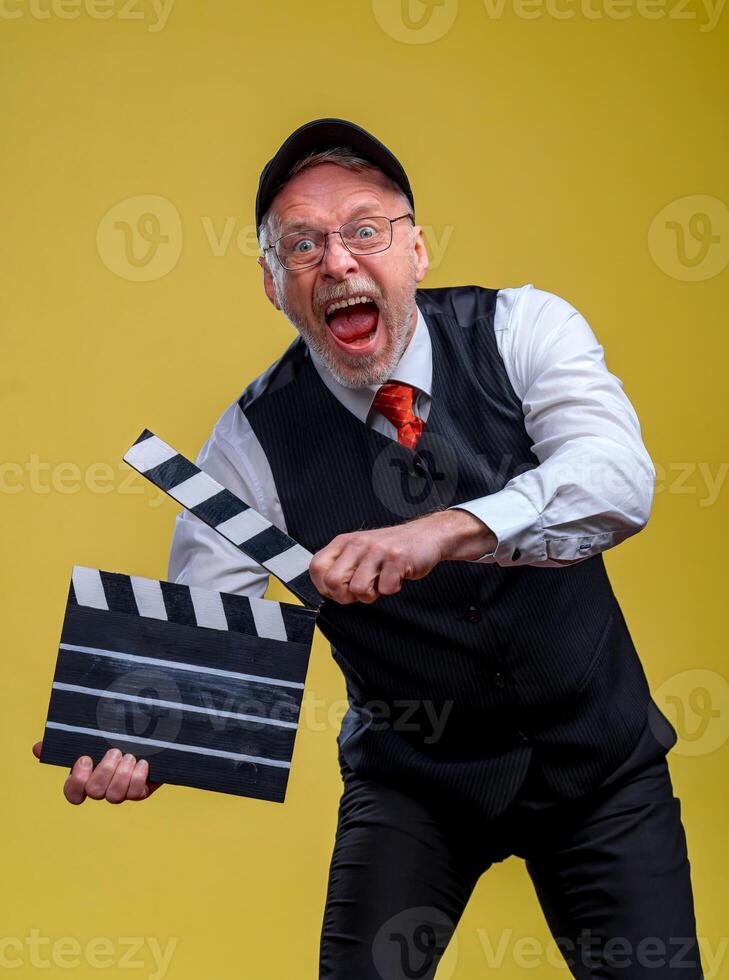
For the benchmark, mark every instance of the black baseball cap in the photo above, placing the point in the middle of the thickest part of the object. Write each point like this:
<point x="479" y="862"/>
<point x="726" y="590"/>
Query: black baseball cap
<point x="322" y="134"/>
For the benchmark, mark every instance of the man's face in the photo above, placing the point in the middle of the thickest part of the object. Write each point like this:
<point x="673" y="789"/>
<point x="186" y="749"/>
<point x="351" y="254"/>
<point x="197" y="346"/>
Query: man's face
<point x="361" y="347"/>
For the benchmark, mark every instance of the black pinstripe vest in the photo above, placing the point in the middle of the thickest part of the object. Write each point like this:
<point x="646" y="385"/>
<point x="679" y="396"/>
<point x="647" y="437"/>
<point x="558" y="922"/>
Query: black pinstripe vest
<point x="455" y="681"/>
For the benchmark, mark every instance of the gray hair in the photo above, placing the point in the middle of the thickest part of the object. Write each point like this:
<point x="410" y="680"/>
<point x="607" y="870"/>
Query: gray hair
<point x="342" y="157"/>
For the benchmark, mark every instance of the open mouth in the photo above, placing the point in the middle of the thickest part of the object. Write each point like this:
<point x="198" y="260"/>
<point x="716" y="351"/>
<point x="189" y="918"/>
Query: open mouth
<point x="354" y="323"/>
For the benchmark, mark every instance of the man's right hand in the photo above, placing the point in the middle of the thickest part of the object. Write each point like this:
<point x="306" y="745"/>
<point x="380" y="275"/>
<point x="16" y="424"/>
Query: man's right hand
<point x="117" y="778"/>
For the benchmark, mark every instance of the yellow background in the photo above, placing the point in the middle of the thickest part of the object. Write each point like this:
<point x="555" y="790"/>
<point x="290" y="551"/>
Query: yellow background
<point x="540" y="149"/>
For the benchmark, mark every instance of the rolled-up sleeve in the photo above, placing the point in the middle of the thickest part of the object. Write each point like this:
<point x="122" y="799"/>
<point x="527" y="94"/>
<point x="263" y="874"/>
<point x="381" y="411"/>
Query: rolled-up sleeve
<point x="594" y="482"/>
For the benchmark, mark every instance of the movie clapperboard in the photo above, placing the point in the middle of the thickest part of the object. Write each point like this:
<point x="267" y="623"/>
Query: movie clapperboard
<point x="207" y="686"/>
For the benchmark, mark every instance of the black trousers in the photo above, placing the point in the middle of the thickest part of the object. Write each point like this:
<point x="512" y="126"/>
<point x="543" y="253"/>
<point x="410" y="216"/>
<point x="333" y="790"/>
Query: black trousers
<point x="610" y="870"/>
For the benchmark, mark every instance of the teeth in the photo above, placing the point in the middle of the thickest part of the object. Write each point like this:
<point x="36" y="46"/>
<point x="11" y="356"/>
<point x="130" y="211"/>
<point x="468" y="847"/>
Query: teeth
<point x="348" y="302"/>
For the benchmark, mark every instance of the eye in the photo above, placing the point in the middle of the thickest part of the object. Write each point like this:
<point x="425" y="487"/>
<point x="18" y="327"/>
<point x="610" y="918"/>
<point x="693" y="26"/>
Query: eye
<point x="365" y="231"/>
<point x="303" y="245"/>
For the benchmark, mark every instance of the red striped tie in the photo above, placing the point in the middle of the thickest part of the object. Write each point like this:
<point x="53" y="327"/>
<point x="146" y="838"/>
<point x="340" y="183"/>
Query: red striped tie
<point x="395" y="402"/>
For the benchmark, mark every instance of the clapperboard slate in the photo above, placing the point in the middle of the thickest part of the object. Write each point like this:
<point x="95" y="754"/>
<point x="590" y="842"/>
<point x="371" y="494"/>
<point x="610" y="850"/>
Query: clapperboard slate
<point x="206" y="686"/>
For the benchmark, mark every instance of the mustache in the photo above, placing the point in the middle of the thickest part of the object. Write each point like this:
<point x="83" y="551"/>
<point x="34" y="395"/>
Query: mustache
<point x="352" y="288"/>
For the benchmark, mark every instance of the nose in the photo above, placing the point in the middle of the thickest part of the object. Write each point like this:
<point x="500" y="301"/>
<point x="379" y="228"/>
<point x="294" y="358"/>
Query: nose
<point x="338" y="261"/>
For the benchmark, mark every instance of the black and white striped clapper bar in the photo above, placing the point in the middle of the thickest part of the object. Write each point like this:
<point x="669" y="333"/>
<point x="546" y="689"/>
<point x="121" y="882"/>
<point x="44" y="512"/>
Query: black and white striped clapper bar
<point x="239" y="523"/>
<point x="207" y="686"/>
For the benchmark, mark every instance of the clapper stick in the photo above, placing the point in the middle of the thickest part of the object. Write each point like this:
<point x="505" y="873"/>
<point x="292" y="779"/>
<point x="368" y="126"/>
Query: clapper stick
<point x="220" y="509"/>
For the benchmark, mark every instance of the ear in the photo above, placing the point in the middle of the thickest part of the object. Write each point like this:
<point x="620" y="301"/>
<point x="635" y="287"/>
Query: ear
<point x="422" y="262"/>
<point x="268" y="284"/>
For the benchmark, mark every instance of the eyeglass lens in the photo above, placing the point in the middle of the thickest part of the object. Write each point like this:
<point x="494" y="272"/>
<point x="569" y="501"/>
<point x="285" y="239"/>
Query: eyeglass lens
<point x="363" y="235"/>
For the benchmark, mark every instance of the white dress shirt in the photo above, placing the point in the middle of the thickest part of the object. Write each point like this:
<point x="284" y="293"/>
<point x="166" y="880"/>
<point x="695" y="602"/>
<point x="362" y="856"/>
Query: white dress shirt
<point x="593" y="486"/>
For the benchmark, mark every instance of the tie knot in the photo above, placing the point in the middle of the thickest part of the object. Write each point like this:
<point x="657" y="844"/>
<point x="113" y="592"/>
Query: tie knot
<point x="395" y="402"/>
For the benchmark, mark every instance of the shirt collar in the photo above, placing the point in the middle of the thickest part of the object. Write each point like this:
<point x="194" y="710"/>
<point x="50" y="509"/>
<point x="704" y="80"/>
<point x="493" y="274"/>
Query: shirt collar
<point x="415" y="368"/>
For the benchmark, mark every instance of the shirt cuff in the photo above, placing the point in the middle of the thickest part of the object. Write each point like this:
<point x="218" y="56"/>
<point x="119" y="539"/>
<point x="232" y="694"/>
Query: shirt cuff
<point x="516" y="524"/>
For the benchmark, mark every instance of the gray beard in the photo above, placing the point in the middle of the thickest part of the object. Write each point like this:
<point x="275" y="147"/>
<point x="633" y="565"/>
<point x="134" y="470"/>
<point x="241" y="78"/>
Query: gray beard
<point x="366" y="373"/>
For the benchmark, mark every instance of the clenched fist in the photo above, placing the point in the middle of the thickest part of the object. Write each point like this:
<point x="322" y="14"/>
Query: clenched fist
<point x="116" y="778"/>
<point x="362" y="565"/>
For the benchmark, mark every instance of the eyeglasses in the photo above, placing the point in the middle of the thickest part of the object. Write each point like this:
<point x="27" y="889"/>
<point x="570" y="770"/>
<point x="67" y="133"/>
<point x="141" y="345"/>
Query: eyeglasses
<point x="362" y="236"/>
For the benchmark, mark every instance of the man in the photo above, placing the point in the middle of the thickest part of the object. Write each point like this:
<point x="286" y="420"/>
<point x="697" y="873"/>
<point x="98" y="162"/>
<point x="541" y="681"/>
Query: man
<point x="457" y="459"/>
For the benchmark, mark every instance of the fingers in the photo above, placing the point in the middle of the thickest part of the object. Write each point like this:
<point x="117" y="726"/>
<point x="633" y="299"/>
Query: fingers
<point x="116" y="791"/>
<point x="322" y="562"/>
<point x="332" y="568"/>
<point x="116" y="778"/>
<point x="374" y="578"/>
<point x="98" y="782"/>
<point x="74" y="788"/>
<point x="357" y="568"/>
<point x="392" y="575"/>
<point x="364" y="584"/>
<point x="139" y="788"/>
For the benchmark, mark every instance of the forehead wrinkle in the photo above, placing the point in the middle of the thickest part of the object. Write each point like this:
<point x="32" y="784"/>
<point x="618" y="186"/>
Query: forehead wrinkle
<point x="365" y="209"/>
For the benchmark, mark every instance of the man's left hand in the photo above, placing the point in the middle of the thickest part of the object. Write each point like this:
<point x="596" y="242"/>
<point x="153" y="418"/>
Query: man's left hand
<point x="362" y="565"/>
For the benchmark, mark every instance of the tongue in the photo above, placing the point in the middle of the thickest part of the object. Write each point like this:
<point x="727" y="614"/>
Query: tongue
<point x="352" y="322"/>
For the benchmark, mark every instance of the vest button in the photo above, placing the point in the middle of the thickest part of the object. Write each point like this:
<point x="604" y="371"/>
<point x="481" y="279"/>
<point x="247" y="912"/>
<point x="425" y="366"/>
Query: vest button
<point x="522" y="735"/>
<point x="499" y="679"/>
<point x="418" y="468"/>
<point x="473" y="614"/>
